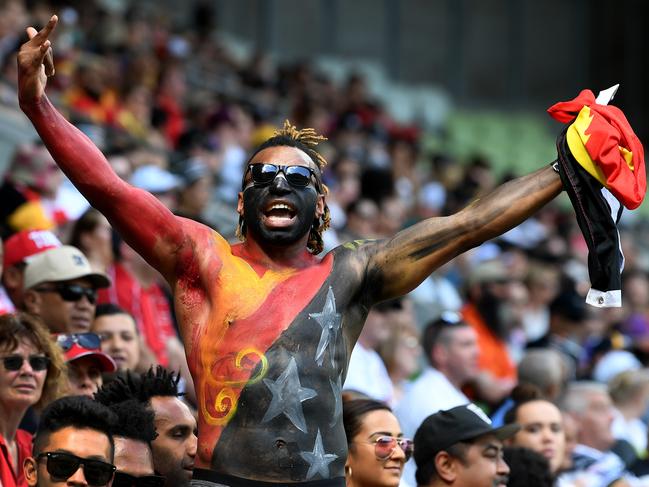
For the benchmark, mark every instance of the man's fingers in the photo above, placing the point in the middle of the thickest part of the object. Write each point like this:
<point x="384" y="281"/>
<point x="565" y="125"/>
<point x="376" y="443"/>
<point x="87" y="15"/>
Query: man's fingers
<point x="31" y="32"/>
<point x="45" y="32"/>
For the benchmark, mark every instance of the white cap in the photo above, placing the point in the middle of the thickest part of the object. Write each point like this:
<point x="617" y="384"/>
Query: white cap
<point x="61" y="264"/>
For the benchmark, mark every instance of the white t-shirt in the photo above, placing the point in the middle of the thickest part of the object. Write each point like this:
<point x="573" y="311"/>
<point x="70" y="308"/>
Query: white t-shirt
<point x="367" y="374"/>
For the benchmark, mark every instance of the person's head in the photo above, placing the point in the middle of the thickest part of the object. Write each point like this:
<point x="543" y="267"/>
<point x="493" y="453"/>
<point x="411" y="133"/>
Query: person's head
<point x="528" y="468"/>
<point x="547" y="369"/>
<point x="377" y="448"/>
<point x="17" y="249"/>
<point x="73" y="431"/>
<point x="541" y="425"/>
<point x="590" y="406"/>
<point x="92" y="234"/>
<point x="32" y="370"/>
<point x="133" y="435"/>
<point x="401" y="352"/>
<point x="174" y="449"/>
<point x="451" y="346"/>
<point x="629" y="391"/>
<point x="119" y="335"/>
<point x="86" y="362"/>
<point x="459" y="447"/>
<point x="61" y="288"/>
<point x="568" y="314"/>
<point x="282" y="200"/>
<point x="196" y="184"/>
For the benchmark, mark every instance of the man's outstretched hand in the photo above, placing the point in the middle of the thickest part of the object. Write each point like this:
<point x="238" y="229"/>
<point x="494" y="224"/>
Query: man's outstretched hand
<point x="35" y="63"/>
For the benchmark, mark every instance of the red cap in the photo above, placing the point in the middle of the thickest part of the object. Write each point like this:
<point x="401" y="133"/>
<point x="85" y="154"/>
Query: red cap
<point x="76" y="352"/>
<point x="27" y="243"/>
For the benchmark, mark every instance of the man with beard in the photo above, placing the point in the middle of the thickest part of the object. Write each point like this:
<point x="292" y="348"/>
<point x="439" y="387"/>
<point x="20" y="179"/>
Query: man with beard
<point x="268" y="327"/>
<point x="488" y="291"/>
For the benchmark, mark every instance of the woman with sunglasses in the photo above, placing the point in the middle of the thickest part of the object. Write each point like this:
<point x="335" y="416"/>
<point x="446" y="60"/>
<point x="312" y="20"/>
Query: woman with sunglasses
<point x="31" y="374"/>
<point x="377" y="450"/>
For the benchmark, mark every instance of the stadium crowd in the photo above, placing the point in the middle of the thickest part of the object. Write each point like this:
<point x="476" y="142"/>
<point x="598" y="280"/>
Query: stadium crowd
<point x="502" y="331"/>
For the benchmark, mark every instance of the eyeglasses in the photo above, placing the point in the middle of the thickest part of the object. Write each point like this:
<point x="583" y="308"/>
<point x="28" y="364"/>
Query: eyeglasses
<point x="84" y="340"/>
<point x="297" y="176"/>
<point x="61" y="466"/>
<point x="13" y="363"/>
<point x="70" y="292"/>
<point x="385" y="445"/>
<point x="122" y="479"/>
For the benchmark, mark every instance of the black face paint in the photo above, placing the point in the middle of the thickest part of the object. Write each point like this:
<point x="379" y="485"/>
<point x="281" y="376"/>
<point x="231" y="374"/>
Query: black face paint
<point x="257" y="204"/>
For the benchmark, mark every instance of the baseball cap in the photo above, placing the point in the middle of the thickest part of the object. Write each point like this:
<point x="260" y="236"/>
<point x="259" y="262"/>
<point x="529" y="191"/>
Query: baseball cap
<point x="154" y="179"/>
<point x="27" y="243"/>
<point x="445" y="428"/>
<point x="76" y="352"/>
<point x="61" y="264"/>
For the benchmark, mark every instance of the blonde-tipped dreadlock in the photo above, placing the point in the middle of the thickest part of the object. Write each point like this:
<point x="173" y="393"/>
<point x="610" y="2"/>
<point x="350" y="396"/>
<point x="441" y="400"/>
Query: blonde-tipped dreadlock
<point x="309" y="139"/>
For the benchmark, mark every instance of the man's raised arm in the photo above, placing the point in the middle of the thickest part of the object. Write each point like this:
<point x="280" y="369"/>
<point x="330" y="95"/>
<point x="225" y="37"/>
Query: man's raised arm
<point x="145" y="223"/>
<point x="400" y="264"/>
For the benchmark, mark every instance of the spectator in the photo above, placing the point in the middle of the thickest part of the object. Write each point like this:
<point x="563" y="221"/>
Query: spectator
<point x="400" y="353"/>
<point x="86" y="362"/>
<point x="451" y="349"/>
<point x="488" y="290"/>
<point x="528" y="468"/>
<point x="541" y="425"/>
<point x="30" y="375"/>
<point x="120" y="337"/>
<point x="174" y="449"/>
<point x="92" y="234"/>
<point x="459" y="447"/>
<point x="133" y="435"/>
<point x="195" y="190"/>
<point x="589" y="404"/>
<point x="17" y="249"/>
<point x="377" y="447"/>
<point x="61" y="288"/>
<point x="629" y="392"/>
<point x="74" y="432"/>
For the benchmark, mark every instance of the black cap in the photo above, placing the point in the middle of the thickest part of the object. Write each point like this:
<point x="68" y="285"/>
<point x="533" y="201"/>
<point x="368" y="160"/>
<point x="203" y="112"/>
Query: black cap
<point x="445" y="428"/>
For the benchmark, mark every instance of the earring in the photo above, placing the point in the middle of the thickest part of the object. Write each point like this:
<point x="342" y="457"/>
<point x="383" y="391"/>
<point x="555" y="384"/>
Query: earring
<point x="348" y="471"/>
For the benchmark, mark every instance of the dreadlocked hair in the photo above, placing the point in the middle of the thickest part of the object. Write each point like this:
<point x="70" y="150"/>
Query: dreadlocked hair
<point x="306" y="140"/>
<point x="141" y="387"/>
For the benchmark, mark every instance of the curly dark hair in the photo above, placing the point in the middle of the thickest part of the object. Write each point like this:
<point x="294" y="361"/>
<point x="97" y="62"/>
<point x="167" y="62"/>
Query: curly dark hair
<point x="79" y="412"/>
<point x="135" y="421"/>
<point x="141" y="387"/>
<point x="527" y="468"/>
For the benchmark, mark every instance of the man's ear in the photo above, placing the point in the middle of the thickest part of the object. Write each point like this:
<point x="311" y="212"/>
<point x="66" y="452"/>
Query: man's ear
<point x="30" y="470"/>
<point x="320" y="206"/>
<point x="32" y="302"/>
<point x="240" y="203"/>
<point x="446" y="466"/>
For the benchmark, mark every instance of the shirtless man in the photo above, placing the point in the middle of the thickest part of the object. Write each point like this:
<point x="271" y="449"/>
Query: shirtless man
<point x="268" y="327"/>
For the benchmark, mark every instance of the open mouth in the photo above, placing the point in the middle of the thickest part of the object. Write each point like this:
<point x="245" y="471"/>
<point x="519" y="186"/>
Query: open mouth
<point x="279" y="214"/>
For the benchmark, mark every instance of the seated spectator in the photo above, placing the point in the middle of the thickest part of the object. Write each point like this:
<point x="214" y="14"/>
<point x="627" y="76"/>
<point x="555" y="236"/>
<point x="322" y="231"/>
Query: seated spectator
<point x="30" y="375"/>
<point x="377" y="448"/>
<point x="174" y="449"/>
<point x="133" y="435"/>
<point x="400" y="353"/>
<point x="61" y="288"/>
<point x="17" y="249"/>
<point x="86" y="362"/>
<point x="459" y="447"/>
<point x="629" y="392"/>
<point x="92" y="234"/>
<point x="589" y="404"/>
<point x="119" y="334"/>
<point x="527" y="468"/>
<point x="74" y="444"/>
<point x="541" y="425"/>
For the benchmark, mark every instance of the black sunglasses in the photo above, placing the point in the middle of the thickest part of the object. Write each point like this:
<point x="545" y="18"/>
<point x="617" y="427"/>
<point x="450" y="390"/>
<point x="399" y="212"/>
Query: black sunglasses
<point x="61" y="466"/>
<point x="297" y="176"/>
<point x="125" y="480"/>
<point x="70" y="292"/>
<point x="15" y="362"/>
<point x="84" y="340"/>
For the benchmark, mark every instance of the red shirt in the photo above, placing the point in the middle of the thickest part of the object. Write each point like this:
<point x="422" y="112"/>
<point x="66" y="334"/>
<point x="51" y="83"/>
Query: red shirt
<point x="8" y="477"/>
<point x="149" y="307"/>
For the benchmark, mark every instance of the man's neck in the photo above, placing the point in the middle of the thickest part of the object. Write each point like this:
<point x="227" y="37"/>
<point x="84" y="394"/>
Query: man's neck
<point x="270" y="256"/>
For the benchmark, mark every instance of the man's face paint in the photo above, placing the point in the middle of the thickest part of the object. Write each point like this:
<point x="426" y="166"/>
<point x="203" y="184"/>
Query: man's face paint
<point x="278" y="213"/>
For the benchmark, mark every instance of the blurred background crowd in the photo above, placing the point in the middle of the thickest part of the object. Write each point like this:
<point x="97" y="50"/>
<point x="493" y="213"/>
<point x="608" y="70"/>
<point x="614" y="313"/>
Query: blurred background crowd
<point x="176" y="110"/>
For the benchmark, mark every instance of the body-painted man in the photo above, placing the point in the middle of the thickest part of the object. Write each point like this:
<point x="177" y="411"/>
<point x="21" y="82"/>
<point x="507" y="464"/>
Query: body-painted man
<point x="268" y="327"/>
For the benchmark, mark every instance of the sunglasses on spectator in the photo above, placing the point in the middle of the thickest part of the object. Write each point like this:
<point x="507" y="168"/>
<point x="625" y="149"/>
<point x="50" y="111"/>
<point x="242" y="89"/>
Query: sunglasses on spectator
<point x="384" y="446"/>
<point x="125" y="480"/>
<point x="13" y="363"/>
<point x="70" y="292"/>
<point x="84" y="340"/>
<point x="297" y="176"/>
<point x="61" y="466"/>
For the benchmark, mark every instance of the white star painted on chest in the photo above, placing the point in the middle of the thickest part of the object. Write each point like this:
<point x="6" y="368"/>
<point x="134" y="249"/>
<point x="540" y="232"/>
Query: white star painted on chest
<point x="330" y="322"/>
<point x="318" y="460"/>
